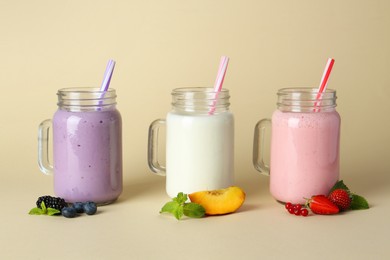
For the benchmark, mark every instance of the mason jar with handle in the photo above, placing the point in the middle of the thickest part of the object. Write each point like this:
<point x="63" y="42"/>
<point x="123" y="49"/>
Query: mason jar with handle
<point x="87" y="146"/>
<point x="199" y="142"/>
<point x="305" y="138"/>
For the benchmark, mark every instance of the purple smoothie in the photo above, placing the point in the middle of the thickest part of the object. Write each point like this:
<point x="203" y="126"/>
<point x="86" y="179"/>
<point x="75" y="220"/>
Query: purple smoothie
<point x="87" y="155"/>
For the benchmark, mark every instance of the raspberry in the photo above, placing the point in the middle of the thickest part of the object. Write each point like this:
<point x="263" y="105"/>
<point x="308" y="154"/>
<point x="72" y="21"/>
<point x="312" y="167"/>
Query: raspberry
<point x="340" y="198"/>
<point x="52" y="202"/>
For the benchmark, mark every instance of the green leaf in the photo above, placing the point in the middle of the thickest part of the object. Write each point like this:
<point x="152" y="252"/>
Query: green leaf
<point x="339" y="185"/>
<point x="36" y="211"/>
<point x="178" y="213"/>
<point x="358" y="202"/>
<point x="181" y="198"/>
<point x="193" y="210"/>
<point x="178" y="207"/>
<point x="174" y="208"/>
<point x="43" y="206"/>
<point x="51" y="211"/>
<point x="170" y="207"/>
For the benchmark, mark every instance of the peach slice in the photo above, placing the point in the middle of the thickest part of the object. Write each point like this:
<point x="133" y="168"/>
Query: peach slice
<point x="218" y="202"/>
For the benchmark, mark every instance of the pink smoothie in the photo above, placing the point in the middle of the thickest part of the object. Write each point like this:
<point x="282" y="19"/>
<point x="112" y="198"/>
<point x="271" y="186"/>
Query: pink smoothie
<point x="87" y="155"/>
<point x="304" y="154"/>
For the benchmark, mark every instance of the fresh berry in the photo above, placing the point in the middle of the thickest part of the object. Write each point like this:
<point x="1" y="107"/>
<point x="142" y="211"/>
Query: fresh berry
<point x="296" y="209"/>
<point x="79" y="207"/>
<point x="320" y="204"/>
<point x="288" y="205"/>
<point x="297" y="212"/>
<point x="304" y="212"/>
<point x="291" y="210"/>
<point x="90" y="208"/>
<point x="340" y="198"/>
<point x="69" y="212"/>
<point x="52" y="202"/>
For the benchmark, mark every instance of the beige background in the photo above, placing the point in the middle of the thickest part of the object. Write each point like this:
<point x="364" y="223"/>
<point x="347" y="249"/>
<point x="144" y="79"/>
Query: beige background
<point x="161" y="45"/>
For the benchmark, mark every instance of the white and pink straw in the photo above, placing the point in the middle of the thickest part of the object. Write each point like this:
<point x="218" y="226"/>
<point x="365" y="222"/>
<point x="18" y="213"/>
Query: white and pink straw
<point x="323" y="83"/>
<point x="219" y="80"/>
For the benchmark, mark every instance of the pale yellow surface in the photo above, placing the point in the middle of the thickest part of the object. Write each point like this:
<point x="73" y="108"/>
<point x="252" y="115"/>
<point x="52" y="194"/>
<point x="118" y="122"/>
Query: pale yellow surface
<point x="161" y="45"/>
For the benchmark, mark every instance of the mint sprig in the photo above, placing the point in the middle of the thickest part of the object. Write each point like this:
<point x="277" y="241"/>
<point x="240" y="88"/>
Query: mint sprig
<point x="179" y="207"/>
<point x="44" y="211"/>
<point x="357" y="201"/>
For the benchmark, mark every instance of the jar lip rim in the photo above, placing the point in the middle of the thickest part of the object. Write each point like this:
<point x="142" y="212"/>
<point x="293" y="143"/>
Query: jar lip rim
<point x="309" y="90"/>
<point x="84" y="90"/>
<point x="182" y="90"/>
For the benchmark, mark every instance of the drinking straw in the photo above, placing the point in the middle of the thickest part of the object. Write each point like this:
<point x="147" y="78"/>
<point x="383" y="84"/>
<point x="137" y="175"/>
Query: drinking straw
<point x="106" y="79"/>
<point x="107" y="75"/>
<point x="323" y="83"/>
<point x="219" y="80"/>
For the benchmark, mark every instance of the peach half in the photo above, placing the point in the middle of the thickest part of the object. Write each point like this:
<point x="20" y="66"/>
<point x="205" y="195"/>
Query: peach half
<point x="218" y="202"/>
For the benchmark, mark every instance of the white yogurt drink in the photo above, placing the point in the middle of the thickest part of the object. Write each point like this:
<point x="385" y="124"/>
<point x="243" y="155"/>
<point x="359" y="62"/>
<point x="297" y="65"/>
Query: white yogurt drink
<point x="199" y="153"/>
<point x="199" y="142"/>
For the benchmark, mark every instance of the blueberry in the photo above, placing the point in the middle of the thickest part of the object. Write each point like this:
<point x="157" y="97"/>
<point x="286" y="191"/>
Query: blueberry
<point x="90" y="208"/>
<point x="69" y="212"/>
<point x="79" y="207"/>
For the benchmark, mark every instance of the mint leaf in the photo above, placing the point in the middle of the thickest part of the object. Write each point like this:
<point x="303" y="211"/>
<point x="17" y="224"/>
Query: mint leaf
<point x="51" y="211"/>
<point x="193" y="210"/>
<point x="174" y="208"/>
<point x="44" y="211"/>
<point x="170" y="207"/>
<point x="181" y="198"/>
<point x="43" y="207"/>
<point x="358" y="202"/>
<point x="178" y="207"/>
<point x="339" y="185"/>
<point x="178" y="213"/>
<point x="36" y="211"/>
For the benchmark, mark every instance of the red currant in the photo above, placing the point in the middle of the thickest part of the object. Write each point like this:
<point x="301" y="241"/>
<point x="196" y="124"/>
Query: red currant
<point x="291" y="211"/>
<point x="297" y="207"/>
<point x="288" y="205"/>
<point x="304" y="212"/>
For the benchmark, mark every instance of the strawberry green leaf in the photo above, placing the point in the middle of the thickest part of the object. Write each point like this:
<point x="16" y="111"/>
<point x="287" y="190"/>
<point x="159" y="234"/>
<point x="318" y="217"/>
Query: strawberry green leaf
<point x="339" y="185"/>
<point x="358" y="202"/>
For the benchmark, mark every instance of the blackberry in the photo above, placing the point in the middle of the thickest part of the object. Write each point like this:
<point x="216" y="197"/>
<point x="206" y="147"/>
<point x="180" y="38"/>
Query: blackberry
<point x="52" y="202"/>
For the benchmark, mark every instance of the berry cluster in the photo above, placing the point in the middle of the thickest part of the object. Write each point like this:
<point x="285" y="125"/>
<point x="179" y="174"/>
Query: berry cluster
<point x="338" y="199"/>
<point x="88" y="208"/>
<point x="52" y="202"/>
<point x="296" y="209"/>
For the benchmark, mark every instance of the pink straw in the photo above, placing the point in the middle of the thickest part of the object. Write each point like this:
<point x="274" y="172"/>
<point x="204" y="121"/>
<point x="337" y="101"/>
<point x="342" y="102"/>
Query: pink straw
<point x="324" y="82"/>
<point x="219" y="80"/>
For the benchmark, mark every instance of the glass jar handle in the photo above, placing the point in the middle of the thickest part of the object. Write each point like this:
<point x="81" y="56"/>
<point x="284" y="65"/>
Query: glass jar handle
<point x="258" y="146"/>
<point x="43" y="147"/>
<point x="153" y="162"/>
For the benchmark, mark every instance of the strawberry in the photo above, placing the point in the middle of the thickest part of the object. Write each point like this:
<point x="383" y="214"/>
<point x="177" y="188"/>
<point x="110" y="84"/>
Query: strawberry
<point x="340" y="198"/>
<point x="320" y="204"/>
